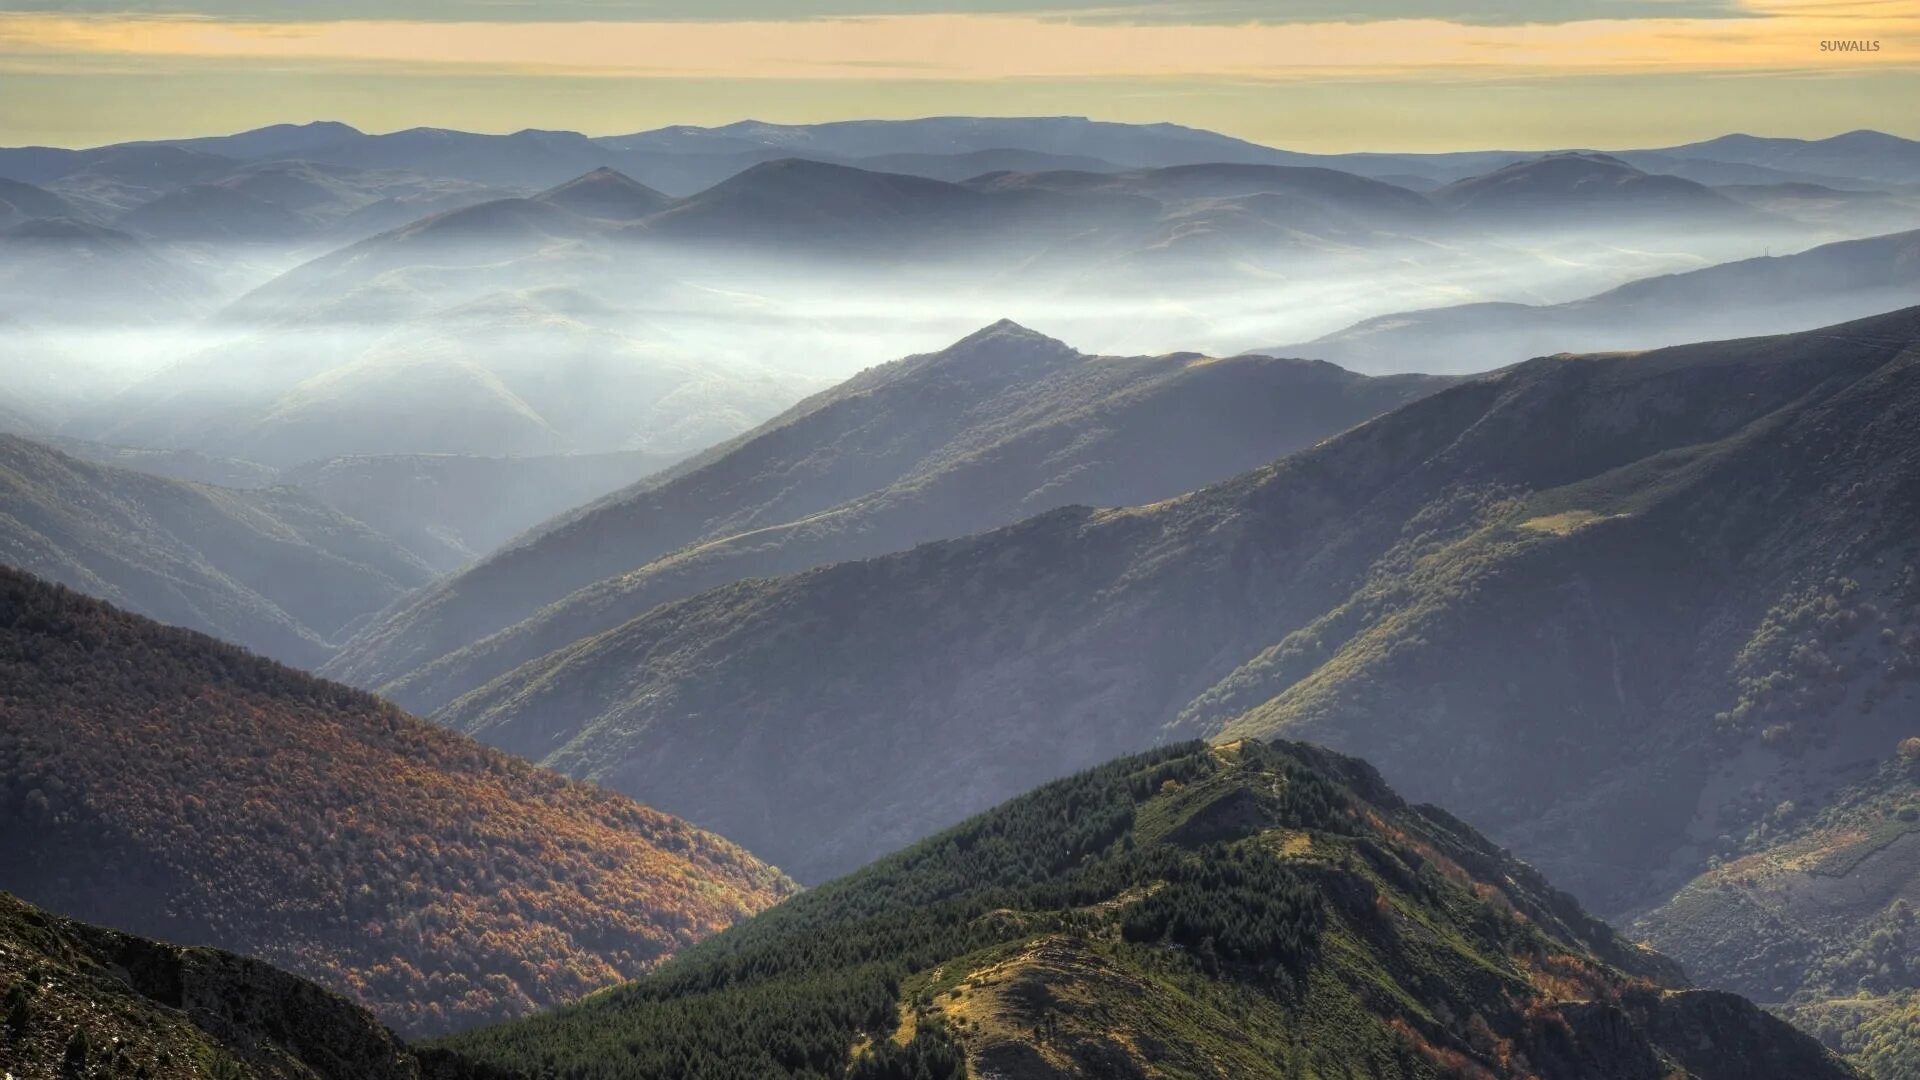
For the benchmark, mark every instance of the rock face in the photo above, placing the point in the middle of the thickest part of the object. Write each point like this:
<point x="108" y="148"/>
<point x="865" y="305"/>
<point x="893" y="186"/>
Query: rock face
<point x="82" y="1001"/>
<point x="1247" y="910"/>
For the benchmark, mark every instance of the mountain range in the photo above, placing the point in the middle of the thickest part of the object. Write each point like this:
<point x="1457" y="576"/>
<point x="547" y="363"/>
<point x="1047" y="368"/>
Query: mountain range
<point x="1594" y="576"/>
<point x="700" y="156"/>
<point x="1003" y="424"/>
<point x="1773" y="294"/>
<point x="179" y="788"/>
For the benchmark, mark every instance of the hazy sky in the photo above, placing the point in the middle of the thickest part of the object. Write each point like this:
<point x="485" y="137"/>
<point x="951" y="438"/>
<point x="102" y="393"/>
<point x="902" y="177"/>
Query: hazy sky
<point x="1307" y="74"/>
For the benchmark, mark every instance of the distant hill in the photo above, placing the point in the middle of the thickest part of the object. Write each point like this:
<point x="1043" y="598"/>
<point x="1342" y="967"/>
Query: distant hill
<point x="1861" y="155"/>
<point x="21" y="203"/>
<point x="607" y="194"/>
<point x="61" y="271"/>
<point x="1246" y="910"/>
<point x="1774" y="294"/>
<point x="183" y="789"/>
<point x="272" y="142"/>
<point x="87" y="1001"/>
<point x="450" y="510"/>
<point x="1004" y="423"/>
<point x="273" y="569"/>
<point x="1561" y="574"/>
<point x="1556" y="185"/>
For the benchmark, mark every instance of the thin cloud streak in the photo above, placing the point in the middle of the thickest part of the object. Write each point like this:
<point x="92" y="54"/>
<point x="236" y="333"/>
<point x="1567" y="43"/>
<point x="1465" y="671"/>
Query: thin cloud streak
<point x="991" y="47"/>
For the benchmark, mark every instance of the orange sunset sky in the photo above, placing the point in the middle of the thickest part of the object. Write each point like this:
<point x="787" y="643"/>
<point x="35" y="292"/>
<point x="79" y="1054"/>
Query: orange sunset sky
<point x="1311" y="75"/>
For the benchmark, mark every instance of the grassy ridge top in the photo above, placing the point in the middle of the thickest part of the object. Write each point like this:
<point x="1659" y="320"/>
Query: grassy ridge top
<point x="1247" y="910"/>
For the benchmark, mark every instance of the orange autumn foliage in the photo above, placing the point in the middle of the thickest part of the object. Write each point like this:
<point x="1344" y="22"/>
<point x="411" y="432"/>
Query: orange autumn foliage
<point x="160" y="781"/>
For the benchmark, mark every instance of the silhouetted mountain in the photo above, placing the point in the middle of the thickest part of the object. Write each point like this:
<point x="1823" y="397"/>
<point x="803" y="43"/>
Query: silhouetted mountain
<point x="176" y="787"/>
<point x="1137" y="145"/>
<point x="274" y="570"/>
<point x="1246" y="910"/>
<point x="1774" y="294"/>
<point x="524" y="159"/>
<point x="1860" y="155"/>
<point x="273" y="141"/>
<point x="87" y="1001"/>
<point x="1002" y="424"/>
<point x="1558" y="574"/>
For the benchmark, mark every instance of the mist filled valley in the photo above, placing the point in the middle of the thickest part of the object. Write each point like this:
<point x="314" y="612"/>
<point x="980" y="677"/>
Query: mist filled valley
<point x="966" y="597"/>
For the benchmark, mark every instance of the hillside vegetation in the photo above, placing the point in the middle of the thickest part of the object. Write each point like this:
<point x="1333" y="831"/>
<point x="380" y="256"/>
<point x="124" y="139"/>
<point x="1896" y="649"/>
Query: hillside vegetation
<point x="183" y="789"/>
<point x="81" y="1002"/>
<point x="1235" y="911"/>
<point x="1814" y="911"/>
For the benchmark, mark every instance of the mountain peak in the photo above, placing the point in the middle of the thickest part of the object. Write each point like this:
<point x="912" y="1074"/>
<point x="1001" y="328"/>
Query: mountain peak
<point x="605" y="193"/>
<point x="1006" y="337"/>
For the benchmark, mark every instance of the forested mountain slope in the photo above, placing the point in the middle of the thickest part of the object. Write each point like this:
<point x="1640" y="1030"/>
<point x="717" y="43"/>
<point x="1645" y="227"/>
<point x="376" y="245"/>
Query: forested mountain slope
<point x="84" y="1001"/>
<point x="1244" y="910"/>
<point x="161" y="782"/>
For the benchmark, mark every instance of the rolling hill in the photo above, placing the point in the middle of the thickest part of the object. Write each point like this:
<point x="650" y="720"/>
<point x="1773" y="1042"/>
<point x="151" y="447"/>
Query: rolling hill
<point x="1002" y="424"/>
<point x="1773" y="294"/>
<point x="61" y="271"/>
<point x="272" y="569"/>
<point x="179" y="788"/>
<point x="1554" y="186"/>
<point x="1244" y="910"/>
<point x="1598" y="577"/>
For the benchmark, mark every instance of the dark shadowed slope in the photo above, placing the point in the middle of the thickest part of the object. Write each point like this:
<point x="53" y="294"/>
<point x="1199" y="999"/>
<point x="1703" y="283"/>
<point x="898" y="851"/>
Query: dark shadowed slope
<point x="1846" y="280"/>
<point x="1561" y="575"/>
<point x="1003" y="424"/>
<point x="1247" y="911"/>
<point x="85" y="1001"/>
<point x="180" y="788"/>
<point x="273" y="569"/>
<point x="1813" y="908"/>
